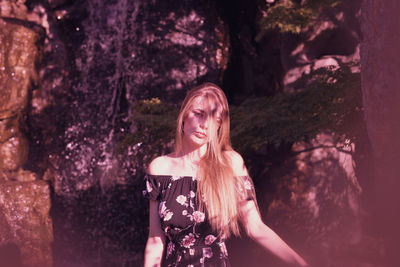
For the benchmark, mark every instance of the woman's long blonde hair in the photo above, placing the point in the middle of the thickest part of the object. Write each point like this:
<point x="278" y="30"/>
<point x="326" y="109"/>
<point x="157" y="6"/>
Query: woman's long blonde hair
<point x="217" y="186"/>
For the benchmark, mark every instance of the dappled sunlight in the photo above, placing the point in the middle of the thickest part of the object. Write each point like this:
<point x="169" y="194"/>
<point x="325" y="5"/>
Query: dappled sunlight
<point x="89" y="95"/>
<point x="188" y="30"/>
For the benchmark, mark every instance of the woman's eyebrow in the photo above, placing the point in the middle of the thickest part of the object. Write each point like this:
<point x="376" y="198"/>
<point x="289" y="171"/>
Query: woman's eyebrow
<point x="199" y="110"/>
<point x="210" y="111"/>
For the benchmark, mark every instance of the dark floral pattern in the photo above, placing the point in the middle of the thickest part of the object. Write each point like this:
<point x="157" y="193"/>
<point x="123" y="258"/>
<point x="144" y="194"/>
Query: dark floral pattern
<point x="190" y="238"/>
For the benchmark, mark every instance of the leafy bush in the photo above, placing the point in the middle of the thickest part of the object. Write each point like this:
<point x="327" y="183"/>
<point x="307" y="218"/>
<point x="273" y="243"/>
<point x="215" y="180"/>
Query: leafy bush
<point x="152" y="129"/>
<point x="331" y="101"/>
<point x="290" y="16"/>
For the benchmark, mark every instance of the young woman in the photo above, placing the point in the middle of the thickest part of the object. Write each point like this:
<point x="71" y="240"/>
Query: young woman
<point x="200" y="193"/>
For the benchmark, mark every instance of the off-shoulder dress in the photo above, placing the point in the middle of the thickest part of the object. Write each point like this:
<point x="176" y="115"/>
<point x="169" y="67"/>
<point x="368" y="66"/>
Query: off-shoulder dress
<point x="190" y="240"/>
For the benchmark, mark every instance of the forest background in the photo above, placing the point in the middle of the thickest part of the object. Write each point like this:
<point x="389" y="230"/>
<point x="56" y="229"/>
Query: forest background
<point x="90" y="92"/>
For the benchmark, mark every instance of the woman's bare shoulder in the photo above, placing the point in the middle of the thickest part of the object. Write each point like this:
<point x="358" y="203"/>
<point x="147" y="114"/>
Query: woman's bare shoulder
<point x="161" y="165"/>
<point x="238" y="166"/>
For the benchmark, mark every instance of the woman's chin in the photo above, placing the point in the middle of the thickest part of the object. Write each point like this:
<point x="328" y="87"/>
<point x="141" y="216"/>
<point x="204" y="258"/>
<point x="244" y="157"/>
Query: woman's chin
<point x="197" y="142"/>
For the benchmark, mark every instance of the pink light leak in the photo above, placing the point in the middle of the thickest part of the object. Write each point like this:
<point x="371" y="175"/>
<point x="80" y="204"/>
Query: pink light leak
<point x="380" y="60"/>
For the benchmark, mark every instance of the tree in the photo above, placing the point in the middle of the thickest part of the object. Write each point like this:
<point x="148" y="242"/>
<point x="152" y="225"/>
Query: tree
<point x="381" y="96"/>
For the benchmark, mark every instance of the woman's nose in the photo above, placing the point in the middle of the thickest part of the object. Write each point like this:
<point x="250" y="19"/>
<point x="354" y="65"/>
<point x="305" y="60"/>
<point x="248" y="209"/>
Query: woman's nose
<point x="204" y="123"/>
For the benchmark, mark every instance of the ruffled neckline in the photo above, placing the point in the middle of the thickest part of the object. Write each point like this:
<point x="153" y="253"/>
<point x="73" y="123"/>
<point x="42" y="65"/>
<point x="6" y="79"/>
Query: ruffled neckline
<point x="183" y="176"/>
<point x="168" y="175"/>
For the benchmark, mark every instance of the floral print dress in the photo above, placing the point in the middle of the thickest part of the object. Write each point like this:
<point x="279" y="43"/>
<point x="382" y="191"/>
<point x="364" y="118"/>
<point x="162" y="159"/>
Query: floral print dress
<point x="190" y="241"/>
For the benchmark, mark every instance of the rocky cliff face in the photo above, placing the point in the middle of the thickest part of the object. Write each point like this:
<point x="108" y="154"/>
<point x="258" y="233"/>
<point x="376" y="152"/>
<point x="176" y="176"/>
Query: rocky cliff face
<point x="98" y="57"/>
<point x="26" y="230"/>
<point x="332" y="40"/>
<point x="25" y="225"/>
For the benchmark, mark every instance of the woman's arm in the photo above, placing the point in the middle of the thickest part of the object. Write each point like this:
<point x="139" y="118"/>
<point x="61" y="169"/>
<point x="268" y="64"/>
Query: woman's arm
<point x="267" y="238"/>
<point x="156" y="240"/>
<point x="256" y="229"/>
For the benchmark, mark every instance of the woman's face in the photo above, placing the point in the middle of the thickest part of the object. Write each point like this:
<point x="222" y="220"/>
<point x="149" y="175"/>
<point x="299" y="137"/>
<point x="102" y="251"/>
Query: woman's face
<point x="201" y="122"/>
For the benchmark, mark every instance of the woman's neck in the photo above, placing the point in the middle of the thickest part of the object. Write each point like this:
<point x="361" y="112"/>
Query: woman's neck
<point x="193" y="153"/>
<point x="191" y="156"/>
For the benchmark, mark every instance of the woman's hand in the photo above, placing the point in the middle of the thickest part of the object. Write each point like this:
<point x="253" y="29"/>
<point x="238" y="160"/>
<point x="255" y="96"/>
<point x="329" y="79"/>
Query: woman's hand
<point x="266" y="237"/>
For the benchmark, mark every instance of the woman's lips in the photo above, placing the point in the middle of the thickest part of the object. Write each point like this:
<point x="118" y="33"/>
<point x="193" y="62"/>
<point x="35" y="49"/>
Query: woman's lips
<point x="200" y="134"/>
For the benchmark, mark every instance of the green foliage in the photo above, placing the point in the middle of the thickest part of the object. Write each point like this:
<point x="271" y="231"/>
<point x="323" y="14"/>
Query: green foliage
<point x="153" y="129"/>
<point x="289" y="16"/>
<point x="330" y="101"/>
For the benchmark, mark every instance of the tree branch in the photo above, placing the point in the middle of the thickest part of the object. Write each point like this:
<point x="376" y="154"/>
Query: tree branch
<point x="340" y="149"/>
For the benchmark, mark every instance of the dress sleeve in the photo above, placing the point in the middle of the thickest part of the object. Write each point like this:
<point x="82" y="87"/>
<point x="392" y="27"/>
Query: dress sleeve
<point x="151" y="187"/>
<point x="246" y="188"/>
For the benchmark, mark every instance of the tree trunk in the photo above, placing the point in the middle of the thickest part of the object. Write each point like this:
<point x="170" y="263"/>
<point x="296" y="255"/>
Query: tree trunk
<point x="380" y="77"/>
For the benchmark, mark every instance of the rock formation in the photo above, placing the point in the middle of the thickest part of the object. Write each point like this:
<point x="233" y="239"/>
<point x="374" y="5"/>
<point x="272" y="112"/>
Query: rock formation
<point x="25" y="225"/>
